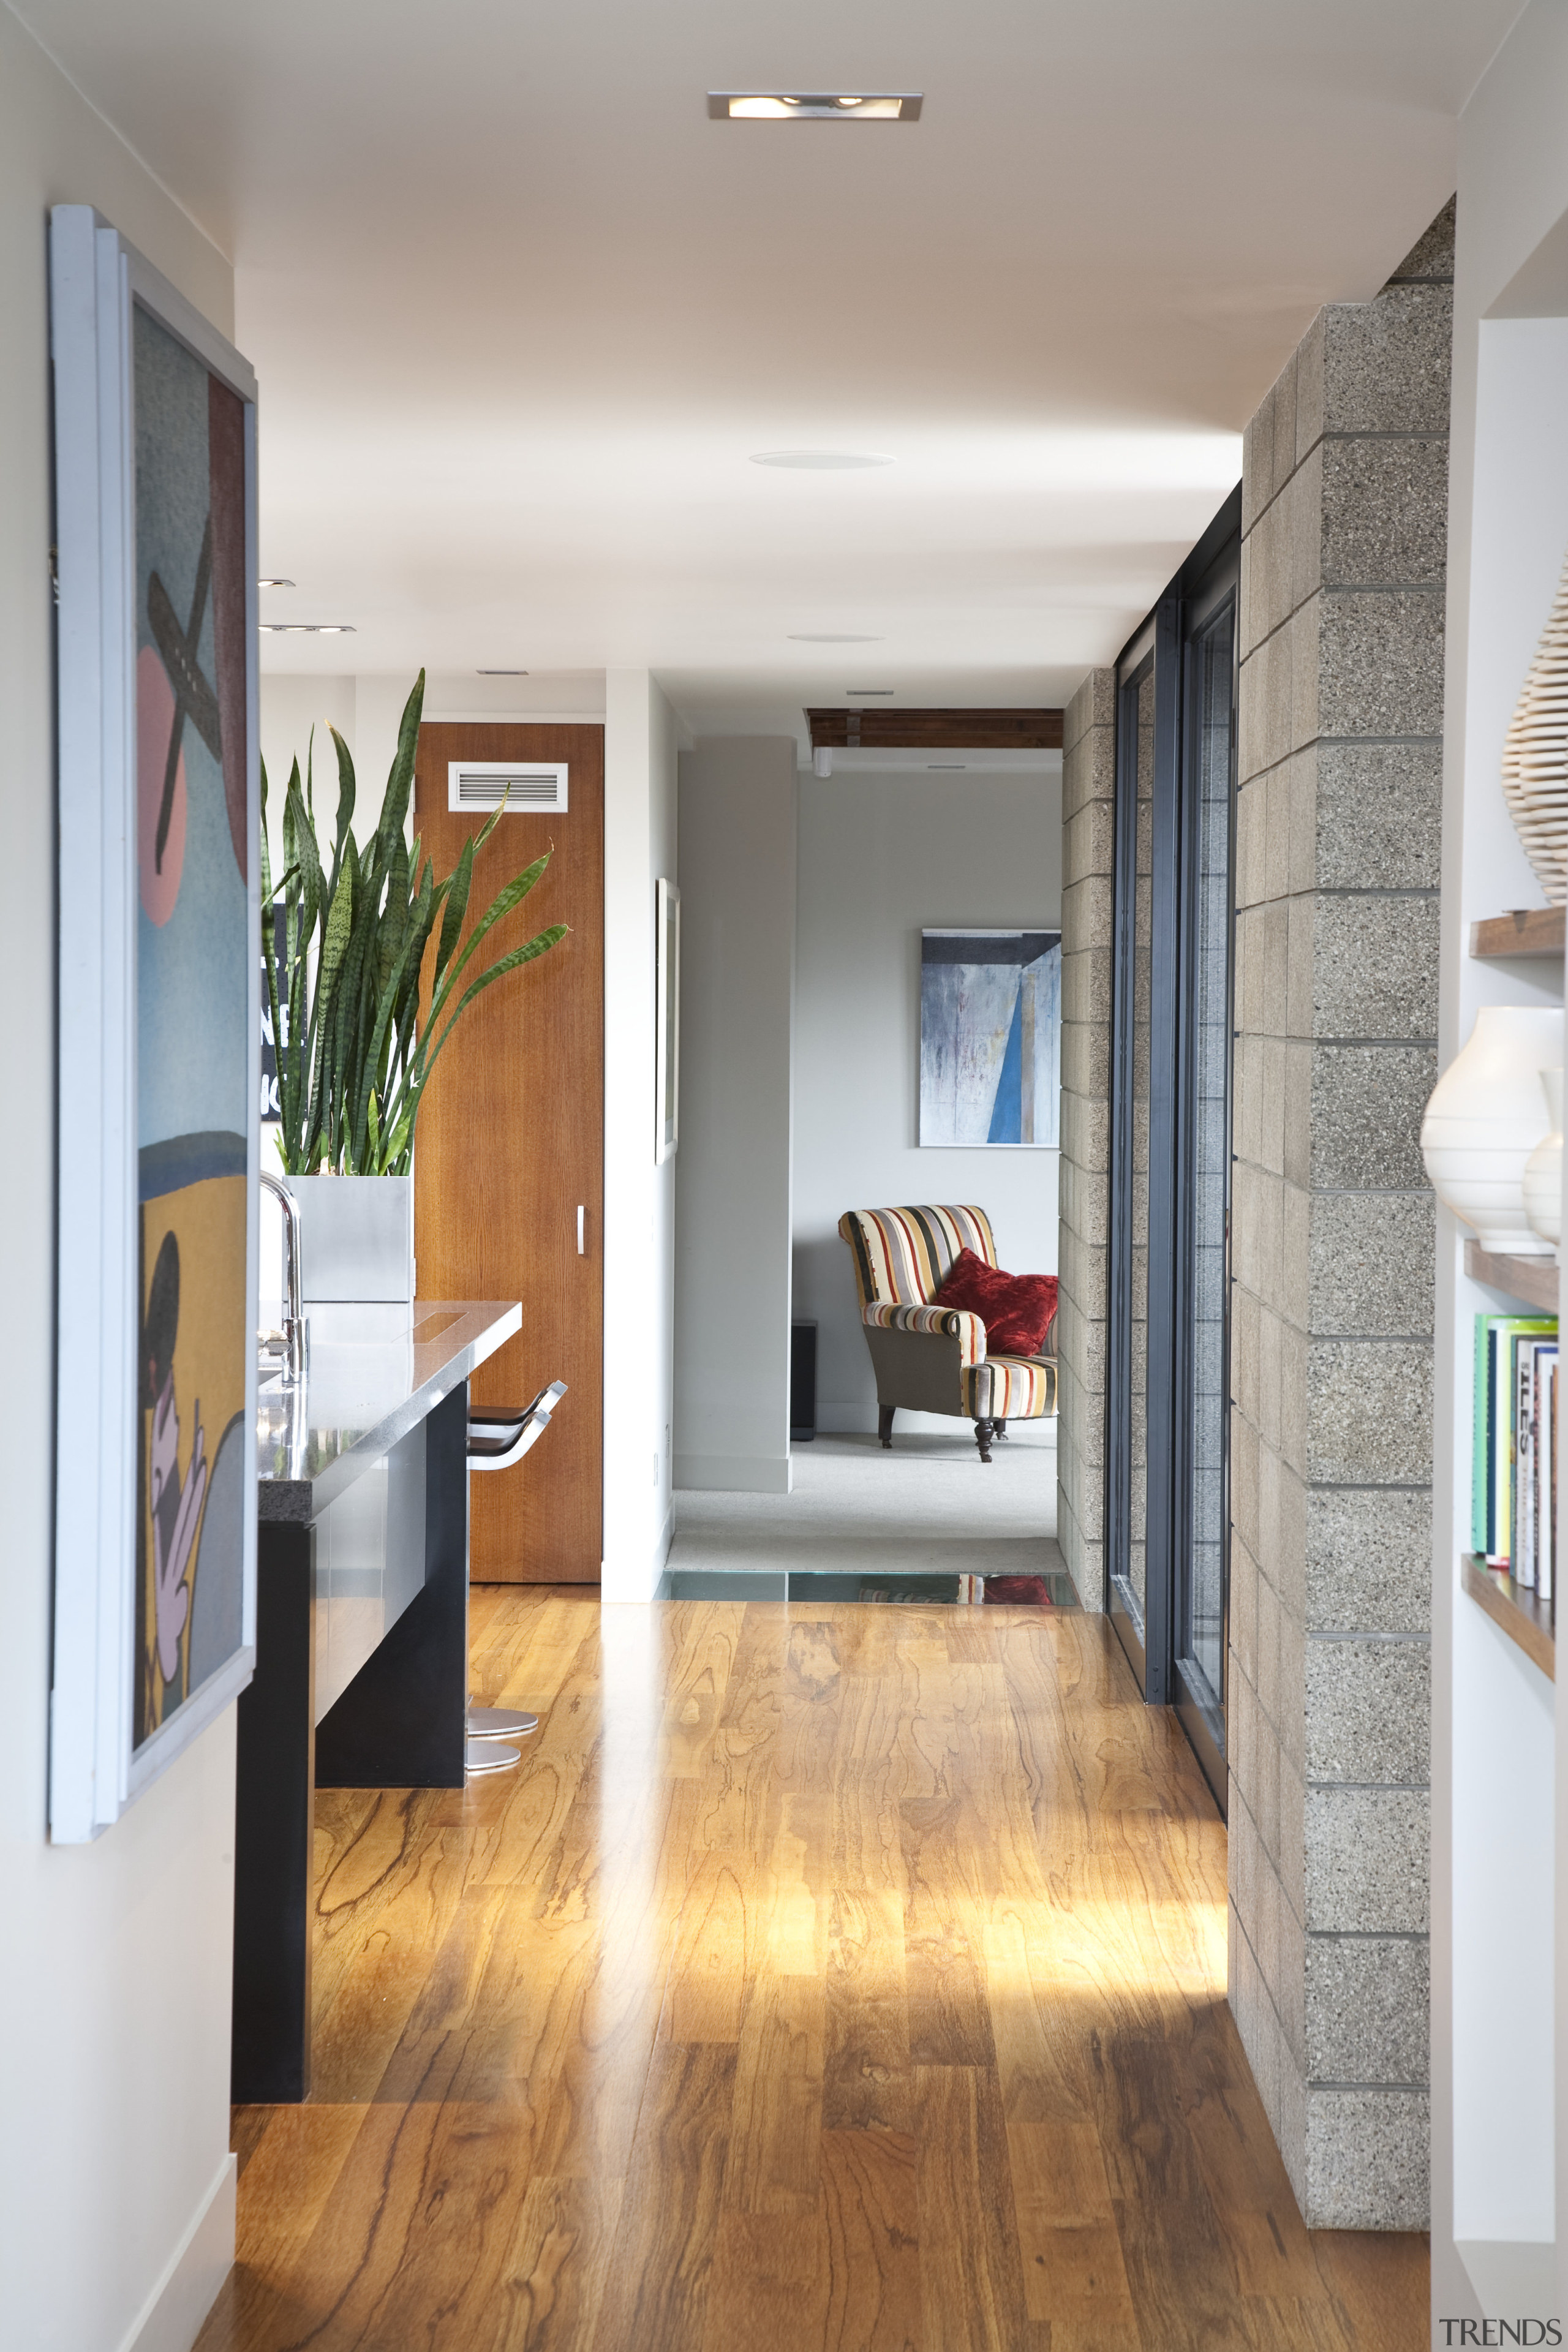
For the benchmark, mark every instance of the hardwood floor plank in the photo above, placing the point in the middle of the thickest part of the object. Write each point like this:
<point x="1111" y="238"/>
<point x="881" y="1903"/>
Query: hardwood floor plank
<point x="656" y="2292"/>
<point x="871" y="2206"/>
<point x="972" y="2289"/>
<point x="774" y="2164"/>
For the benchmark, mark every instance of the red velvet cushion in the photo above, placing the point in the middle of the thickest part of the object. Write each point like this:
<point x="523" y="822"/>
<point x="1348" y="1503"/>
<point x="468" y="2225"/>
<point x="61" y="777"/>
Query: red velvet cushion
<point x="1018" y="1310"/>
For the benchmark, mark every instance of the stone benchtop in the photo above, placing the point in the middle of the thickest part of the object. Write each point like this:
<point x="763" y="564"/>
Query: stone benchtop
<point x="374" y="1373"/>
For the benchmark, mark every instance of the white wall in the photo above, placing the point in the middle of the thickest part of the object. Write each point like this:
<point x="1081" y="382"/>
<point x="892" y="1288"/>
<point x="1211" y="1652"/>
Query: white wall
<point x="114" y="1958"/>
<point x="733" y="1180"/>
<point x="641" y="820"/>
<point x="1493" y="2124"/>
<point x="883" y="856"/>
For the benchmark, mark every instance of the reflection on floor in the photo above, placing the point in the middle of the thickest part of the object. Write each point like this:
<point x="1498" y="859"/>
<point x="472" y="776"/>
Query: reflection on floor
<point x="880" y="1524"/>
<point x="824" y="1981"/>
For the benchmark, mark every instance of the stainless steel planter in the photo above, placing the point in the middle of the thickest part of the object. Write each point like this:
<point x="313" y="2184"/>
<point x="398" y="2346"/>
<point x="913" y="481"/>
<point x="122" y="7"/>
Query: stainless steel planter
<point x="356" y="1236"/>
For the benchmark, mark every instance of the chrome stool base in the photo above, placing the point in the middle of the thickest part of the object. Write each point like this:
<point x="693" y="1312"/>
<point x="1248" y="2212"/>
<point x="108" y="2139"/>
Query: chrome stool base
<point x="501" y="1723"/>
<point x="488" y="1756"/>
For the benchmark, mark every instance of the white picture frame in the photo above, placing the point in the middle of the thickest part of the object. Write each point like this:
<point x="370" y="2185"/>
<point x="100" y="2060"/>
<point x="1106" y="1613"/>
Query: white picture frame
<point x="666" y="1022"/>
<point x="99" y="284"/>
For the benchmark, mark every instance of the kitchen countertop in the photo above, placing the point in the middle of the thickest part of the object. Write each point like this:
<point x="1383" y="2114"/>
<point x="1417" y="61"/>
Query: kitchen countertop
<point x="374" y="1373"/>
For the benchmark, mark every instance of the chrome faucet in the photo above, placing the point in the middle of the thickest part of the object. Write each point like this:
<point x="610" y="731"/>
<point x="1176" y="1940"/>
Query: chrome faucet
<point x="295" y="1336"/>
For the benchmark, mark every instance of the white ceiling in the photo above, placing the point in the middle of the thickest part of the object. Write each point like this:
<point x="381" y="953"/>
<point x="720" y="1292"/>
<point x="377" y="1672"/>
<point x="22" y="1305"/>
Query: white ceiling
<point x="521" y="311"/>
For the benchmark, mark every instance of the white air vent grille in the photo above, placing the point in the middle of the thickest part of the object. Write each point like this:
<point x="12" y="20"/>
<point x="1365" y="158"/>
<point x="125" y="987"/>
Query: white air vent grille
<point x="532" y="787"/>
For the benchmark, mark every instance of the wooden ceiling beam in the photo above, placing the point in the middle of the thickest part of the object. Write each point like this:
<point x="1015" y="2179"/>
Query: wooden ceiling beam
<point x="935" y="730"/>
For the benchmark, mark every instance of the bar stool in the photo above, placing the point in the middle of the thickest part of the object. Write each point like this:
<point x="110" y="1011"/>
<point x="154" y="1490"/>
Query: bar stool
<point x="500" y="1435"/>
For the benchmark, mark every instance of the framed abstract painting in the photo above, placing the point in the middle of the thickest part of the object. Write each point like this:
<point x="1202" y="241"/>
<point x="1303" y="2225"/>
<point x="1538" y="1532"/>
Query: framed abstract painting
<point x="991" y="1028"/>
<point x="154" y="1597"/>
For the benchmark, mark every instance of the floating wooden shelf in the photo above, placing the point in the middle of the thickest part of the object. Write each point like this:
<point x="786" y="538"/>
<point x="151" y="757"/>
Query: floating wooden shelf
<point x="1527" y="931"/>
<point x="1525" y="1620"/>
<point x="1532" y="1279"/>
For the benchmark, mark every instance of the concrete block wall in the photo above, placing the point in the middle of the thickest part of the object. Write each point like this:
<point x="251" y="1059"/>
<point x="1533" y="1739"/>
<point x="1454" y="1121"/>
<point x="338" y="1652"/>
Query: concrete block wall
<point x="1345" y="533"/>
<point x="1088" y="783"/>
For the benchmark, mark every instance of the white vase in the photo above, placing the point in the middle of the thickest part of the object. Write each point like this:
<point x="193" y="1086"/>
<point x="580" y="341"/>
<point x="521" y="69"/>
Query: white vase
<point x="356" y="1237"/>
<point x="1543" y="1169"/>
<point x="1486" y="1113"/>
<point x="1535" y="755"/>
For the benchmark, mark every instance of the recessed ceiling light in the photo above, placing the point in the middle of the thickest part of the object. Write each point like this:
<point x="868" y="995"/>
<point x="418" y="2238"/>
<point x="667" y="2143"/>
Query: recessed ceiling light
<point x="829" y="638"/>
<point x="815" y="105"/>
<point x="948" y="767"/>
<point x="820" y="461"/>
<point x="500" y="673"/>
<point x="276" y="582"/>
<point x="308" y="629"/>
<point x="868" y="689"/>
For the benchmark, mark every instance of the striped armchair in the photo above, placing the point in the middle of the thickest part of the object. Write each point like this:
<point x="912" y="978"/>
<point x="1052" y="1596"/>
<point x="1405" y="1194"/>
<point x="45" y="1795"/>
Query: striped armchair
<point x="933" y="1359"/>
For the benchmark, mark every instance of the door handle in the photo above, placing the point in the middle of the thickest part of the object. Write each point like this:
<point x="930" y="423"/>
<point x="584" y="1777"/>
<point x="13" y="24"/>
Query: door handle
<point x="580" y="1232"/>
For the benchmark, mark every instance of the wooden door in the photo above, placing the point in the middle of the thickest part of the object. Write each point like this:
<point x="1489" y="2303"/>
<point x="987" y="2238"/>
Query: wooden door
<point x="510" y="1147"/>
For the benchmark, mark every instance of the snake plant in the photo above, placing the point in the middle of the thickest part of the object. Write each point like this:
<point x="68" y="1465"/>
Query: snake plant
<point x="354" y="1055"/>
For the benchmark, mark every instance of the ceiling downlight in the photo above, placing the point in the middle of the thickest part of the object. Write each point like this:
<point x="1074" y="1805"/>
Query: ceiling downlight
<point x="820" y="461"/>
<point x="816" y="106"/>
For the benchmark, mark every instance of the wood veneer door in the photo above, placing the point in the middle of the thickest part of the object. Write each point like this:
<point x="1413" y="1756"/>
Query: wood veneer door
<point x="510" y="1145"/>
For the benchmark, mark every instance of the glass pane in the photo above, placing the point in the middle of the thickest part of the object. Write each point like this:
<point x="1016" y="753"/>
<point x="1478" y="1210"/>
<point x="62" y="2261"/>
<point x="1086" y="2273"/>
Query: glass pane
<point x="1210" y="783"/>
<point x="1138" y="1354"/>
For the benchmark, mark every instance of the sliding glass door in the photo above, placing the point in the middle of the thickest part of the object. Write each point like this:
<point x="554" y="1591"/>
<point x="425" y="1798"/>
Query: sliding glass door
<point x="1167" y="1505"/>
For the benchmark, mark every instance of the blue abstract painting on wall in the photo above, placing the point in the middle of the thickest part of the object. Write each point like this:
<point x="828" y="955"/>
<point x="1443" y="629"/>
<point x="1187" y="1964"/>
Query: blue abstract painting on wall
<point x="991" y="1026"/>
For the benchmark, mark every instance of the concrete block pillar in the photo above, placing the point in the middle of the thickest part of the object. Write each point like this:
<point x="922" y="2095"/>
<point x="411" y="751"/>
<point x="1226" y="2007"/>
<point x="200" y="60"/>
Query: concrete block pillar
<point x="1344" y="534"/>
<point x="1088" y="789"/>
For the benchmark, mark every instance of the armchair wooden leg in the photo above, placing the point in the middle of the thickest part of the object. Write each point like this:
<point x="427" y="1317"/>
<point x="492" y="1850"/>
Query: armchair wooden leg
<point x="982" y="1439"/>
<point x="998" y="1429"/>
<point x="884" y="1426"/>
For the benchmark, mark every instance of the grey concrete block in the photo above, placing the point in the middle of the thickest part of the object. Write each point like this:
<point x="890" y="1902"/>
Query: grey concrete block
<point x="1297" y="1156"/>
<point x="1368" y="1560"/>
<point x="1290" y="1986"/>
<point x="1293" y="1835"/>
<point x="1274" y="1056"/>
<point x="1375" y="968"/>
<point x="1379" y="816"/>
<point x="1266" y="715"/>
<point x="1256" y="2023"/>
<point x="1247" y="1102"/>
<point x="1369" y="1413"/>
<point x="1367" y="2008"/>
<point x="1282" y="1507"/>
<point x="1368" y="2163"/>
<point x="1386" y="364"/>
<point x="1244" y="1314"/>
<point x="1311" y="355"/>
<point x="1372" y="1264"/>
<point x="1086" y="1057"/>
<point x="1300" y="951"/>
<point x="1294" y="1256"/>
<point x="1089" y="842"/>
<point x="1365" y="1109"/>
<point x="1087" y="1201"/>
<point x="1272" y="976"/>
<point x="1367" y="1854"/>
<point x="1093" y="704"/>
<point x="1086" y="1130"/>
<point x="1268" y="447"/>
<point x="1089" y="771"/>
<point x="1087" y="985"/>
<point x="1368" y="1711"/>
<point x="1251" y="837"/>
<point x="1294" y="1437"/>
<point x="1243" y="1611"/>
<point x="1432" y="254"/>
<point x="1379" y="663"/>
<point x="1384" y="512"/>
<point x="1087" y="915"/>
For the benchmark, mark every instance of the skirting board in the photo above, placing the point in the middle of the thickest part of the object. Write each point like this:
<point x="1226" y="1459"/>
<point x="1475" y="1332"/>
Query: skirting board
<point x="1513" y="2278"/>
<point x="735" y="1474"/>
<point x="171" y="2318"/>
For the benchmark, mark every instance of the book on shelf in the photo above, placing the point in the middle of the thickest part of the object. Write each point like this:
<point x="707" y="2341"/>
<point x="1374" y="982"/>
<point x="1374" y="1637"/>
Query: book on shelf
<point x="1513" y="1495"/>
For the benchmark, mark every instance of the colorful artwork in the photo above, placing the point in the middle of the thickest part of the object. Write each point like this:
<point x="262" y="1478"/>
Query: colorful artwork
<point x="193" y="1018"/>
<point x="990" y="1038"/>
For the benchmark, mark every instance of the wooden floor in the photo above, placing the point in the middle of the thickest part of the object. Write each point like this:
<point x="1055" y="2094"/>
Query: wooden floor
<point x="848" y="1979"/>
